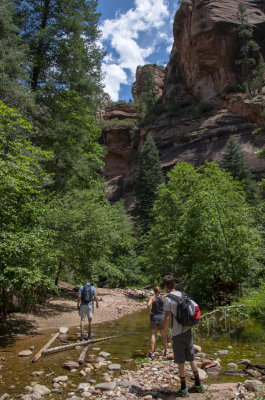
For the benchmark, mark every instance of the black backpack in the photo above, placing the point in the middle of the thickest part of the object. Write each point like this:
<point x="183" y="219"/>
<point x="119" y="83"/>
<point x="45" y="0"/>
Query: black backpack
<point x="86" y="294"/>
<point x="188" y="312"/>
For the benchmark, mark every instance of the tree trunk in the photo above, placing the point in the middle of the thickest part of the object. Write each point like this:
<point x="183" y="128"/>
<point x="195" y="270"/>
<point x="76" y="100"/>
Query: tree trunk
<point x="60" y="266"/>
<point x="38" y="57"/>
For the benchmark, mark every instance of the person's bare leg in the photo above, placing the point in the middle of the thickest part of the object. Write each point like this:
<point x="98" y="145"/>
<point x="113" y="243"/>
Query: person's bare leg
<point x="194" y="368"/>
<point x="182" y="376"/>
<point x="89" y="328"/>
<point x="82" y="324"/>
<point x="153" y="339"/>
<point x="164" y="339"/>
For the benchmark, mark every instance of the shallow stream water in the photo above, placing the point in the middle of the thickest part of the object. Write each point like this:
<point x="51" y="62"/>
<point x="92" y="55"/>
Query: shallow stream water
<point x="249" y="343"/>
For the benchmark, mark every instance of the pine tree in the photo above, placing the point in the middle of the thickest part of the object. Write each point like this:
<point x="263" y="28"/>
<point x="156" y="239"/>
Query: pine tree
<point x="12" y="58"/>
<point x="250" y="59"/>
<point x="148" y="96"/>
<point x="62" y="36"/>
<point x="149" y="177"/>
<point x="234" y="162"/>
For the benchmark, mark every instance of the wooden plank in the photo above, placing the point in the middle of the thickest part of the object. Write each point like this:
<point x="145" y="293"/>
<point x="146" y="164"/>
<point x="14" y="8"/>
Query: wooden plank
<point x="73" y="345"/>
<point x="39" y="354"/>
<point x="83" y="355"/>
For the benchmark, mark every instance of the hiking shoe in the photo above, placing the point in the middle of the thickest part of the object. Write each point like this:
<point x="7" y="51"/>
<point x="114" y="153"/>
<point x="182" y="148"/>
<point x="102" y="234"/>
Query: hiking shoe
<point x="165" y="353"/>
<point x="197" y="389"/>
<point x="151" y="354"/>
<point x="182" y="393"/>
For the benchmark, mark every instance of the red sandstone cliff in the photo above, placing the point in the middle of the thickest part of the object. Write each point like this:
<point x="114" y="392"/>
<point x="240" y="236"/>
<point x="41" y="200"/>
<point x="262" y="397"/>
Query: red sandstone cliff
<point x="201" y="69"/>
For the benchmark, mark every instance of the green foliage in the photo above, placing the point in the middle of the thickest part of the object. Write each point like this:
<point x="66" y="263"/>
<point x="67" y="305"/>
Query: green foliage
<point x="93" y="238"/>
<point x="225" y="319"/>
<point x="234" y="162"/>
<point x="254" y="301"/>
<point x="202" y="227"/>
<point x="12" y="58"/>
<point x="250" y="59"/>
<point x="147" y="98"/>
<point x="148" y="178"/>
<point x="25" y="246"/>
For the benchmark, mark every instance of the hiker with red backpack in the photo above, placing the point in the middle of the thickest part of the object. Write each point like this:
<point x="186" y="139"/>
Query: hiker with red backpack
<point x="156" y="311"/>
<point x="184" y="314"/>
<point x="85" y="305"/>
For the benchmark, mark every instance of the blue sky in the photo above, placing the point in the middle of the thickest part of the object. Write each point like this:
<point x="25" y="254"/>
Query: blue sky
<point x="134" y="32"/>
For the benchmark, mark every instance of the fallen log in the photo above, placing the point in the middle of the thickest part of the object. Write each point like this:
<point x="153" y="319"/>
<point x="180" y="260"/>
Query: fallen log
<point x="83" y="355"/>
<point x="73" y="345"/>
<point x="228" y="308"/>
<point x="39" y="354"/>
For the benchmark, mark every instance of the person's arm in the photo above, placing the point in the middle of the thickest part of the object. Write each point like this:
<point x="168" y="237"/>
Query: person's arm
<point x="149" y="304"/>
<point x="78" y="301"/>
<point x="95" y="297"/>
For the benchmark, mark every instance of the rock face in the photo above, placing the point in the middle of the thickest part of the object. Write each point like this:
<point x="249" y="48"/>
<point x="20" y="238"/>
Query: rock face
<point x="201" y="73"/>
<point x="158" y="73"/>
<point x="121" y="111"/>
<point x="205" y="46"/>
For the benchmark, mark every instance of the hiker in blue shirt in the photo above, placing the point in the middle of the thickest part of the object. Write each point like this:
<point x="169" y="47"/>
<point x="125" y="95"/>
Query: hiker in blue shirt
<point x="85" y="305"/>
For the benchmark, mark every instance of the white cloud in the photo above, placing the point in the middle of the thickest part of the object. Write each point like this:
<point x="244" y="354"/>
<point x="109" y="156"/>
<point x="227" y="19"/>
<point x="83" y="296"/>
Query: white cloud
<point x="123" y="35"/>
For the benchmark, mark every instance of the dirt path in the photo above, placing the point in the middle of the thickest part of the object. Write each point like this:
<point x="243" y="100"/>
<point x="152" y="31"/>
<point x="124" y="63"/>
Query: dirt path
<point x="62" y="311"/>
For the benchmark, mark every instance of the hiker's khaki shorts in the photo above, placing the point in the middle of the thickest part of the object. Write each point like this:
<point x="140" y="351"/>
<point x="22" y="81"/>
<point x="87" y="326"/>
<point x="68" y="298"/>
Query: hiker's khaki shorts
<point x="86" y="311"/>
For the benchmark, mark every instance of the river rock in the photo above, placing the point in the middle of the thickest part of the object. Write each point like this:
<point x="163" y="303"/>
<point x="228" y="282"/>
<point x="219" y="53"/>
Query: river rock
<point x="84" y="387"/>
<point x="104" y="354"/>
<point x="244" y="361"/>
<point x="5" y="396"/>
<point x="253" y="385"/>
<point x="126" y="383"/>
<point x="28" y="389"/>
<point x="63" y="378"/>
<point x="202" y="374"/>
<point x="37" y="373"/>
<point x="222" y="352"/>
<point x="63" y="329"/>
<point x="106" y="386"/>
<point x="114" y="367"/>
<point x="232" y="367"/>
<point x="25" y="353"/>
<point x="253" y="373"/>
<point x="197" y="348"/>
<point x="205" y="363"/>
<point x="40" y="390"/>
<point x="71" y="365"/>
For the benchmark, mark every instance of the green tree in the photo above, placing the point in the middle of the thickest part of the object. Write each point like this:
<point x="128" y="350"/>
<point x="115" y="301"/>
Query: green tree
<point x="26" y="255"/>
<point x="250" y="59"/>
<point x="202" y="227"/>
<point x="93" y="238"/>
<point x="12" y="58"/>
<point x="234" y="162"/>
<point x="148" y="97"/>
<point x="62" y="37"/>
<point x="147" y="181"/>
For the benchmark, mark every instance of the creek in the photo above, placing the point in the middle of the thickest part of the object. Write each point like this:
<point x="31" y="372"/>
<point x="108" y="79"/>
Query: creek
<point x="247" y="343"/>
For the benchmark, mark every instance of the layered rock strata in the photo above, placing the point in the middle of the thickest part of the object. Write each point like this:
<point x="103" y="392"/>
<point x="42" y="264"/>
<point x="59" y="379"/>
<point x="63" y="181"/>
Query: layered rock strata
<point x="158" y="74"/>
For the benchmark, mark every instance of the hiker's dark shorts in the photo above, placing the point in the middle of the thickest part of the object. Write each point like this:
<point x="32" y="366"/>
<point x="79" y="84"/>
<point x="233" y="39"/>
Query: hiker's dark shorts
<point x="183" y="347"/>
<point x="157" y="321"/>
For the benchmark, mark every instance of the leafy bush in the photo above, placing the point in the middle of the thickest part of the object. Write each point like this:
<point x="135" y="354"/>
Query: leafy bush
<point x="254" y="301"/>
<point x="115" y="123"/>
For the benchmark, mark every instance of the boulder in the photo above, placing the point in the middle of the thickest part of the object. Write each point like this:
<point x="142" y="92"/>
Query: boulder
<point x="63" y="378"/>
<point x="253" y="385"/>
<point x="106" y="386"/>
<point x="25" y="353"/>
<point x="197" y="348"/>
<point x="40" y="390"/>
<point x="104" y="354"/>
<point x="202" y="374"/>
<point x="71" y="365"/>
<point x="84" y="387"/>
<point x="114" y="367"/>
<point x="231" y="367"/>
<point x="63" y="329"/>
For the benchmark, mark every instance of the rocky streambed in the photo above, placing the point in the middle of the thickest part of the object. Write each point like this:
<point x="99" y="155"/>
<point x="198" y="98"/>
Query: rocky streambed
<point x="100" y="377"/>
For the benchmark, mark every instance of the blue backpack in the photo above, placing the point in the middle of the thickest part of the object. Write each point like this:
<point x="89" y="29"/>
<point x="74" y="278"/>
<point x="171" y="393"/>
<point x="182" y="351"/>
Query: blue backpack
<point x="86" y="295"/>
